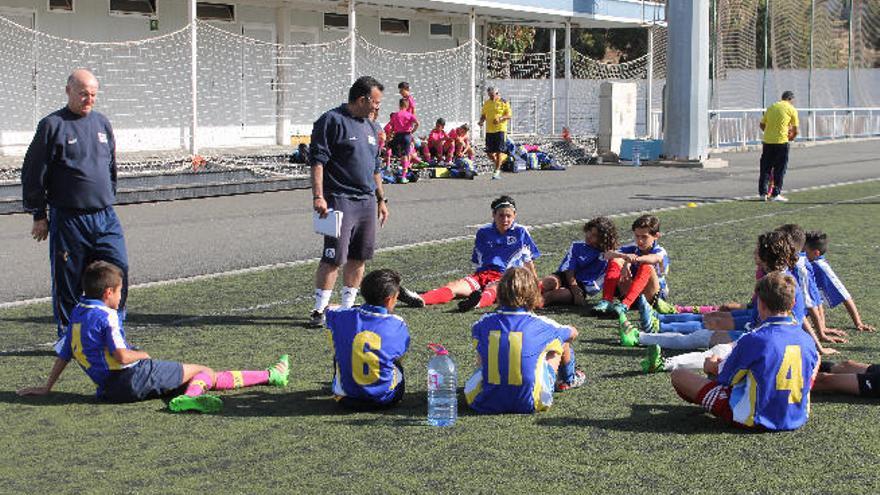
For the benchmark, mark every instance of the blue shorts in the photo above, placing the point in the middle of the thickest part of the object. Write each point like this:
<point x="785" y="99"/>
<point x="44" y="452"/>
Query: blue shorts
<point x="147" y="379"/>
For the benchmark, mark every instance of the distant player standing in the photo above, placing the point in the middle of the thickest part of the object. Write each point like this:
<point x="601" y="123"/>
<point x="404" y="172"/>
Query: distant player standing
<point x="496" y="112"/>
<point x="780" y="125"/>
<point x="70" y="169"/>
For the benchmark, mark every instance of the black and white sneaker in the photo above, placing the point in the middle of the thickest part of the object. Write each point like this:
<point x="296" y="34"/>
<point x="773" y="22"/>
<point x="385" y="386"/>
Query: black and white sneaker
<point x="317" y="319"/>
<point x="471" y="301"/>
<point x="410" y="298"/>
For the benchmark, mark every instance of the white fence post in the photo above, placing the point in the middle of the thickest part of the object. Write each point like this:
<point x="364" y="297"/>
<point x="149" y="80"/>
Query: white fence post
<point x="553" y="81"/>
<point x="193" y="77"/>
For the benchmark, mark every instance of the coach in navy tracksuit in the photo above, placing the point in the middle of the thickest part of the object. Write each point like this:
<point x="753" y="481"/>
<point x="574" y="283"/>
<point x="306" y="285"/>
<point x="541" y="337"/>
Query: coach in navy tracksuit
<point x="345" y="175"/>
<point x="70" y="168"/>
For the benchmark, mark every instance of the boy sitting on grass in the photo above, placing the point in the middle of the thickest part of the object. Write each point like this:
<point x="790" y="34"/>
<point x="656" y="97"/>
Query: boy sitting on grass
<point x="519" y="354"/>
<point x="96" y="340"/>
<point x="765" y="382"/>
<point x="831" y="287"/>
<point x="368" y="343"/>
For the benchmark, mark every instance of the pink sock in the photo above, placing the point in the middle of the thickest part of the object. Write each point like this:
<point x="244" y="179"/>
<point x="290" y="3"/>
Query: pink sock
<point x="227" y="380"/>
<point x="198" y="385"/>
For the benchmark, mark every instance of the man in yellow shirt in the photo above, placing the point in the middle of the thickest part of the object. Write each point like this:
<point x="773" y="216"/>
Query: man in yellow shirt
<point x="780" y="125"/>
<point x="496" y="112"/>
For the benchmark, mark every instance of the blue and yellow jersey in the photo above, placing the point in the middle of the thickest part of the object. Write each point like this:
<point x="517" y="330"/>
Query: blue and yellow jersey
<point x="804" y="275"/>
<point x="93" y="334"/>
<point x="661" y="268"/>
<point x="587" y="263"/>
<point x="496" y="251"/>
<point x="832" y="289"/>
<point x="771" y="371"/>
<point x="366" y="341"/>
<point x="513" y="346"/>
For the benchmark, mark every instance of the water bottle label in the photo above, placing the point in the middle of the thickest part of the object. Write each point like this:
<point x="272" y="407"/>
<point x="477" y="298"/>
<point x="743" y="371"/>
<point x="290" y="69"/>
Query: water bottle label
<point x="435" y="380"/>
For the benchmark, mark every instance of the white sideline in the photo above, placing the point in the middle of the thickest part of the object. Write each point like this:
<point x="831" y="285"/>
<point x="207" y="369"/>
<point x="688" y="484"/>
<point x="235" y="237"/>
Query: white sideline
<point x="288" y="264"/>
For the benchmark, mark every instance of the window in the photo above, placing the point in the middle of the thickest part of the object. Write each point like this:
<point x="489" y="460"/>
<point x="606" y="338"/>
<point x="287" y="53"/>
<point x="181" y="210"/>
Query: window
<point x="60" y="5"/>
<point x="440" y="31"/>
<point x="215" y="12"/>
<point x="335" y="22"/>
<point x="135" y="7"/>
<point x="399" y="27"/>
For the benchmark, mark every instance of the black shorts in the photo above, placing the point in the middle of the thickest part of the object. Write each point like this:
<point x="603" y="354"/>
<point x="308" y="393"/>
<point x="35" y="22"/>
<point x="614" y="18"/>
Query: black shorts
<point x="495" y="142"/>
<point x="401" y="143"/>
<point x="148" y="379"/>
<point x="869" y="382"/>
<point x="357" y="237"/>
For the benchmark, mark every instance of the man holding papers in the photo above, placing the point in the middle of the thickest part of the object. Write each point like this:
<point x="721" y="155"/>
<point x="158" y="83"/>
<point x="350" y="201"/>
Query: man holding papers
<point x="346" y="183"/>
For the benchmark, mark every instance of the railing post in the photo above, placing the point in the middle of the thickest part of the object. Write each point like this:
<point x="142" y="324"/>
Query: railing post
<point x="745" y="121"/>
<point x="193" y="77"/>
<point x="553" y="81"/>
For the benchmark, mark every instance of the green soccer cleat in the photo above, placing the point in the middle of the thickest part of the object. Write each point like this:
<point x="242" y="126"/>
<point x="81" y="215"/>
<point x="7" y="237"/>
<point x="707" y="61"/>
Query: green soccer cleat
<point x="664" y="308"/>
<point x="602" y="306"/>
<point x="653" y="361"/>
<point x="279" y="378"/>
<point x="207" y="404"/>
<point x="629" y="334"/>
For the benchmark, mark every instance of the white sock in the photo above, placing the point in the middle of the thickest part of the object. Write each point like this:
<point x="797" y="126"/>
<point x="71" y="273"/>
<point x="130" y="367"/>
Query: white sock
<point x="689" y="361"/>
<point x="349" y="294"/>
<point x="322" y="299"/>
<point x="669" y="340"/>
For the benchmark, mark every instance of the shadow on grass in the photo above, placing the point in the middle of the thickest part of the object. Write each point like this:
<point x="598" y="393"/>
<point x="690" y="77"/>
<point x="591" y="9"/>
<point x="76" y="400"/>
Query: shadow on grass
<point x="837" y="398"/>
<point x="653" y="418"/>
<point x="47" y="352"/>
<point x="176" y="320"/>
<point x="53" y="399"/>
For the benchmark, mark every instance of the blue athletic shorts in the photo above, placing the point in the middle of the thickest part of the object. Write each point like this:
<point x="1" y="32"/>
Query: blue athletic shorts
<point x="147" y="379"/>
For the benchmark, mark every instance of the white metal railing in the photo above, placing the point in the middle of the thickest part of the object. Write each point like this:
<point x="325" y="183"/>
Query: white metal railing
<point x="741" y="127"/>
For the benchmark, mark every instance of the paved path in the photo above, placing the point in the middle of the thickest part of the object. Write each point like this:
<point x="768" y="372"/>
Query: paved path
<point x="192" y="237"/>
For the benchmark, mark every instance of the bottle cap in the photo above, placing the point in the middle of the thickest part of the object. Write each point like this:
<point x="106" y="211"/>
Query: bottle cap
<point x="438" y="349"/>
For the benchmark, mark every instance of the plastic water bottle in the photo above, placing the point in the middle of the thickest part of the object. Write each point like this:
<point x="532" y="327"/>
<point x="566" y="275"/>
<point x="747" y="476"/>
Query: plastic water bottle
<point x="637" y="155"/>
<point x="442" y="385"/>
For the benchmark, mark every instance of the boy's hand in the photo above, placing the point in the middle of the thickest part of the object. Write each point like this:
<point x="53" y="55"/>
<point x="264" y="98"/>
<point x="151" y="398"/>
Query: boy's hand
<point x="835" y="331"/>
<point x="33" y="391"/>
<point x="864" y="327"/>
<point x="827" y="351"/>
<point x="825" y="337"/>
<point x="630" y="257"/>
<point x="710" y="365"/>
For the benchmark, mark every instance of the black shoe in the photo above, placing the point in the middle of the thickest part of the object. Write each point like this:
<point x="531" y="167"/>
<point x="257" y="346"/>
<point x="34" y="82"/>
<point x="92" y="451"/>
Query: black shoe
<point x="410" y="298"/>
<point x="471" y="301"/>
<point x="317" y="319"/>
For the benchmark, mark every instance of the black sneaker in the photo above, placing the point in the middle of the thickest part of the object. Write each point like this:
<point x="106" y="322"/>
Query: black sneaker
<point x="471" y="301"/>
<point x="317" y="319"/>
<point x="410" y="298"/>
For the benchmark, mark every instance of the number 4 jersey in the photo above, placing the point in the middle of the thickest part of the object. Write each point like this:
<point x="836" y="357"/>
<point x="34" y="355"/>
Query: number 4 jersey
<point x="771" y="372"/>
<point x="366" y="342"/>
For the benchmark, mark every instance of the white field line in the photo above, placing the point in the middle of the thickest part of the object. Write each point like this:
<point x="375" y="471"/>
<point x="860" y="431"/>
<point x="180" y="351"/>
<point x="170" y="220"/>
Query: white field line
<point x="435" y="242"/>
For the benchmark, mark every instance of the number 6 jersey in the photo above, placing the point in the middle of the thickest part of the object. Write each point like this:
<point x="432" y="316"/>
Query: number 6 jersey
<point x="366" y="341"/>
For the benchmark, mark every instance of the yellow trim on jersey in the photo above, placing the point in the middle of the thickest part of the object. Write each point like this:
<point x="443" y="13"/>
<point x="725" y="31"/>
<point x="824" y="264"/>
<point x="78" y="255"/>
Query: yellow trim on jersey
<point x="514" y="358"/>
<point x="494" y="377"/>
<point x="471" y="395"/>
<point x="112" y="363"/>
<point x="76" y="346"/>
<point x="752" y="385"/>
<point x="554" y="346"/>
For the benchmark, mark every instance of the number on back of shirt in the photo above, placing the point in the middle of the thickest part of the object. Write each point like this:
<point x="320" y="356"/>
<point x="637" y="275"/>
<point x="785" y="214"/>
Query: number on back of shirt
<point x="791" y="375"/>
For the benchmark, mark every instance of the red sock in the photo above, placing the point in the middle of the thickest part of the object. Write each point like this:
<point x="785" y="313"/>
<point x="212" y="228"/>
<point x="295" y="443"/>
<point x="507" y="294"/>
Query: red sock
<point x="199" y="384"/>
<point x="612" y="277"/>
<point x="488" y="297"/>
<point x="438" y="296"/>
<point x="643" y="275"/>
<point x="227" y="380"/>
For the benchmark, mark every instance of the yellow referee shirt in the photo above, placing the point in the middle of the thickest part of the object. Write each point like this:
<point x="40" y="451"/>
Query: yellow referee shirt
<point x="777" y="119"/>
<point x="492" y="110"/>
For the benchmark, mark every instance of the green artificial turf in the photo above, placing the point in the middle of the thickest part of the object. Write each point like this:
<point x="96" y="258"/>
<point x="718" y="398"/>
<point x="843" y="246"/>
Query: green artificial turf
<point x="622" y="432"/>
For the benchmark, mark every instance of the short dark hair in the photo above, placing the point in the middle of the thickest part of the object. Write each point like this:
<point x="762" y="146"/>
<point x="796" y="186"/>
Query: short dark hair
<point x="503" y="202"/>
<point x="816" y="239"/>
<point x="403" y="85"/>
<point x="363" y="86"/>
<point x="776" y="250"/>
<point x="788" y="95"/>
<point x="402" y="103"/>
<point x="798" y="237"/>
<point x="777" y="291"/>
<point x="379" y="285"/>
<point x="100" y="276"/>
<point x="441" y="121"/>
<point x="649" y="222"/>
<point x="606" y="230"/>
